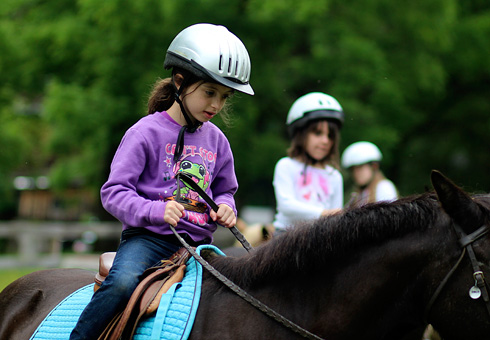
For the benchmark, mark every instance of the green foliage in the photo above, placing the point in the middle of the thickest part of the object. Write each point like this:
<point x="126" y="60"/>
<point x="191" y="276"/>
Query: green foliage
<point x="7" y="276"/>
<point x="413" y="77"/>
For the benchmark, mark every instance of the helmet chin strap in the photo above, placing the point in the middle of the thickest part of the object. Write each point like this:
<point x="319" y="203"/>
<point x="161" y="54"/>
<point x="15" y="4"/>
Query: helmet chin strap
<point x="190" y="127"/>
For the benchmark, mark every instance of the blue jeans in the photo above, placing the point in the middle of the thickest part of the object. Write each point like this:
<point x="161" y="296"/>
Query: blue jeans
<point x="138" y="251"/>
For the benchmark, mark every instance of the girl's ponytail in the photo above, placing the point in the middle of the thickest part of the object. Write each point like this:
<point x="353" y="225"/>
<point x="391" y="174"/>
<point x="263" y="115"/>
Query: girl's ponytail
<point x="161" y="96"/>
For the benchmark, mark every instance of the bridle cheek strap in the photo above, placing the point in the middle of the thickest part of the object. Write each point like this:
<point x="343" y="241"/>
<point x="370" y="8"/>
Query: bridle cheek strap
<point x="466" y="242"/>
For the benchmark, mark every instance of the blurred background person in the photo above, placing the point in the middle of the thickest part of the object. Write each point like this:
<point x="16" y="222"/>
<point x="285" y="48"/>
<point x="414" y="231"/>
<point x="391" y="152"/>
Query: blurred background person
<point x="363" y="159"/>
<point x="307" y="183"/>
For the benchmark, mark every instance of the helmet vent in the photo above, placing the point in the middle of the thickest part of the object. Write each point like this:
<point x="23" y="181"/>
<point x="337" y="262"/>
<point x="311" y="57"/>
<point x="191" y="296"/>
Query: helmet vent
<point x="221" y="62"/>
<point x="229" y="65"/>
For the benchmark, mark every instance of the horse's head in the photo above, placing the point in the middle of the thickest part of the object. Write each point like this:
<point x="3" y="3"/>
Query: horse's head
<point x="464" y="292"/>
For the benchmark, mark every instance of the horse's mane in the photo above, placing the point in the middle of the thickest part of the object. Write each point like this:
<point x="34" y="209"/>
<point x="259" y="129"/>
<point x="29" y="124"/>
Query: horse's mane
<point x="308" y="244"/>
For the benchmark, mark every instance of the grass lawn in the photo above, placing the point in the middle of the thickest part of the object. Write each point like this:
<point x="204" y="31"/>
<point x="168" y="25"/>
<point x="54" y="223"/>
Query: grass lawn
<point x="9" y="275"/>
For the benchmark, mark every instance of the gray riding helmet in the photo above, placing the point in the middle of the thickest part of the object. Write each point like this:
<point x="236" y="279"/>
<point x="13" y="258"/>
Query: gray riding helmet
<point x="213" y="53"/>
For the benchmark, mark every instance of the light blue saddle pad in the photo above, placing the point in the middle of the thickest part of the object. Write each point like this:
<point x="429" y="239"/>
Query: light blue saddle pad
<point x="173" y="319"/>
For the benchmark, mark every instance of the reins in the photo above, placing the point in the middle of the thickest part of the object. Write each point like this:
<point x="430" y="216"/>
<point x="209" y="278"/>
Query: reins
<point x="246" y="296"/>
<point x="480" y="287"/>
<point x="223" y="279"/>
<point x="187" y="179"/>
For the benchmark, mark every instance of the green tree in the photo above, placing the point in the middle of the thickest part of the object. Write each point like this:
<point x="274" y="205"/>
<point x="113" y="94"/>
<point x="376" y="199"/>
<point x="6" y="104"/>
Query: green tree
<point x="412" y="77"/>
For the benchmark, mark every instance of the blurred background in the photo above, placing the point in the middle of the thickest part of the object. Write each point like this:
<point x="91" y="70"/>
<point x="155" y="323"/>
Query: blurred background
<point x="413" y="77"/>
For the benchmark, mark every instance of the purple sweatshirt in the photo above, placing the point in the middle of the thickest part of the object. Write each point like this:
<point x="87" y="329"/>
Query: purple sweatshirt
<point x="143" y="173"/>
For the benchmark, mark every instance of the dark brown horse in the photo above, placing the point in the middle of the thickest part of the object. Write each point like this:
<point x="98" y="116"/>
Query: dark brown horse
<point x="367" y="273"/>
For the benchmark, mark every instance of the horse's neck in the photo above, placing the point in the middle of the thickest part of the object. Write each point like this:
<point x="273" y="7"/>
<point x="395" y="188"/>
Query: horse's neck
<point x="396" y="270"/>
<point x="378" y="282"/>
<point x="375" y="284"/>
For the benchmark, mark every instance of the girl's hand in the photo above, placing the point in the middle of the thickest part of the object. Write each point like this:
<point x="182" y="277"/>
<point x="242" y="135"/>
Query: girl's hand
<point x="173" y="213"/>
<point x="225" y="216"/>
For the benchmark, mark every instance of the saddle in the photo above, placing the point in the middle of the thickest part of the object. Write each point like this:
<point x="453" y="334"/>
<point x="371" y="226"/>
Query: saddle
<point x="105" y="264"/>
<point x="146" y="297"/>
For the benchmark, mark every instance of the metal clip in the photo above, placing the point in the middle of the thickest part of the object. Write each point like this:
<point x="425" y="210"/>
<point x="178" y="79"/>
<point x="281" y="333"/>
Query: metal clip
<point x="475" y="291"/>
<point x="480" y="274"/>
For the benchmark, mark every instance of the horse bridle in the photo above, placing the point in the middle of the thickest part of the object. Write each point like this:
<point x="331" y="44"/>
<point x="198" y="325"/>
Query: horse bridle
<point x="480" y="288"/>
<point x="227" y="282"/>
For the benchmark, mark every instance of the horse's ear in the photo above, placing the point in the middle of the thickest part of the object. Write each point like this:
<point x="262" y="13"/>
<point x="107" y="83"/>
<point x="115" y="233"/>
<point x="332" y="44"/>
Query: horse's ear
<point x="455" y="202"/>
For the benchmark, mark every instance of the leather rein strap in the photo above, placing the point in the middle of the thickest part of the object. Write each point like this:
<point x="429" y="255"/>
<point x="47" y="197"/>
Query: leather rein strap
<point x="466" y="242"/>
<point x="188" y="180"/>
<point x="244" y="295"/>
<point x="227" y="282"/>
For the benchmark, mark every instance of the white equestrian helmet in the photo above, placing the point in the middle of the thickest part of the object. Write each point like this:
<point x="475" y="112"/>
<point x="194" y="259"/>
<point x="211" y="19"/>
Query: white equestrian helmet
<point x="360" y="153"/>
<point x="313" y="106"/>
<point x="212" y="51"/>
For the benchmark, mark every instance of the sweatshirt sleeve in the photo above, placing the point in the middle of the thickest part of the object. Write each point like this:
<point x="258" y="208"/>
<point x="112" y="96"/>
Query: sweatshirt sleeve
<point x="119" y="195"/>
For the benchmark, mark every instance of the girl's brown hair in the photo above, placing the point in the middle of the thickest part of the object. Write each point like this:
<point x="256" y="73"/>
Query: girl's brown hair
<point x="161" y="96"/>
<point x="297" y="149"/>
<point x="378" y="177"/>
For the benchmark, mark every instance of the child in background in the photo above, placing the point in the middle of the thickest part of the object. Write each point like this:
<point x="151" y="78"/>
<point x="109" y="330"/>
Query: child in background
<point x="208" y="64"/>
<point x="363" y="161"/>
<point x="307" y="183"/>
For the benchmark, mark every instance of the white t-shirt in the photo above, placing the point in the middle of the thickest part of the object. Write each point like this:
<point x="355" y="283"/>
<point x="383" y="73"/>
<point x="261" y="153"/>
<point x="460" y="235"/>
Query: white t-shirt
<point x="301" y="197"/>
<point x="385" y="191"/>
